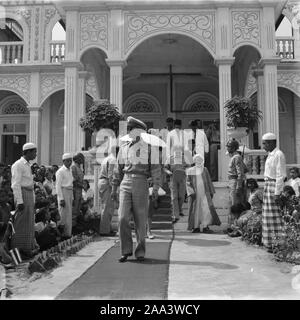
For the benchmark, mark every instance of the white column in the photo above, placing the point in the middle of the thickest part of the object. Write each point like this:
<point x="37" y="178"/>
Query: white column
<point x="224" y="65"/>
<point x="45" y="132"/>
<point x="81" y="107"/>
<point x="71" y="125"/>
<point x="297" y="126"/>
<point x="270" y="112"/>
<point x="258" y="74"/>
<point x="34" y="126"/>
<point x="35" y="112"/>
<point x="116" y="82"/>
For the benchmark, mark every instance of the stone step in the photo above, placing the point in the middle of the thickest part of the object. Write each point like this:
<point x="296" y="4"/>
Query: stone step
<point x="161" y="225"/>
<point x="161" y="217"/>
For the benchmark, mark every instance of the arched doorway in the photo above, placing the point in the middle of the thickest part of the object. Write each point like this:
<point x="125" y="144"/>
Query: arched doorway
<point x="14" y="126"/>
<point x="161" y="69"/>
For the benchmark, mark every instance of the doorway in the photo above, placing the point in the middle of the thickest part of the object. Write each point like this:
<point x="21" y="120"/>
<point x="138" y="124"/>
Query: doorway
<point x="12" y="147"/>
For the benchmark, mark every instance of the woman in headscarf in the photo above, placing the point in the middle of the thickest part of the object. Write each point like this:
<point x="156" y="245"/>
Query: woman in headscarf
<point x="200" y="191"/>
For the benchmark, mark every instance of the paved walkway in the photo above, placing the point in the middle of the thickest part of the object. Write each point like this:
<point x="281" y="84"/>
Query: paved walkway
<point x="179" y="265"/>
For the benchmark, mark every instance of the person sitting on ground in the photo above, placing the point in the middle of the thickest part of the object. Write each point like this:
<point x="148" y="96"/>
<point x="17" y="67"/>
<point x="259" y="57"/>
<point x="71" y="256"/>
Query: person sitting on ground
<point x="46" y="232"/>
<point x="87" y="191"/>
<point x="88" y="221"/>
<point x="4" y="217"/>
<point x="236" y="212"/>
<point x="48" y="184"/>
<point x="38" y="182"/>
<point x="294" y="181"/>
<point x="289" y="201"/>
<point x="6" y="186"/>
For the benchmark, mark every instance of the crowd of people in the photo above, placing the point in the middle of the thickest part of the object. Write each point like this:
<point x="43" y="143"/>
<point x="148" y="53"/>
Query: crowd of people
<point x="39" y="205"/>
<point x="261" y="216"/>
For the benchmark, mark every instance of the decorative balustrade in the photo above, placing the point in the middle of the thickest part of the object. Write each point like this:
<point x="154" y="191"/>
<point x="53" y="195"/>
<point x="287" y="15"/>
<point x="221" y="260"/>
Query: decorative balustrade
<point x="57" y="51"/>
<point x="11" y="52"/>
<point x="285" y="47"/>
<point x="255" y="161"/>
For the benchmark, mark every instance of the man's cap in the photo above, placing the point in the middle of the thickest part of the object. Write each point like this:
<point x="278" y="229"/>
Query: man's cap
<point x="136" y="123"/>
<point x="67" y="156"/>
<point x="234" y="143"/>
<point x="269" y="136"/>
<point x="169" y="120"/>
<point x="78" y="155"/>
<point x="29" y="146"/>
<point x="178" y="122"/>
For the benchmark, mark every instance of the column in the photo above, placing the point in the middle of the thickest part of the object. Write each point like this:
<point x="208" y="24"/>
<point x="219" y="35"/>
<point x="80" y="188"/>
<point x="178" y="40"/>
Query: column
<point x="224" y="65"/>
<point x="258" y="74"/>
<point x="270" y="95"/>
<point x="34" y="125"/>
<point x="116" y="82"/>
<point x="35" y="112"/>
<point x="297" y="126"/>
<point x="46" y="132"/>
<point x="81" y="108"/>
<point x="71" y="124"/>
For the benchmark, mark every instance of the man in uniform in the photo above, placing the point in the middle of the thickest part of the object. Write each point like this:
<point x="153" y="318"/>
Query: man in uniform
<point x="132" y="169"/>
<point x="22" y="186"/>
<point x="275" y="173"/>
<point x="64" y="189"/>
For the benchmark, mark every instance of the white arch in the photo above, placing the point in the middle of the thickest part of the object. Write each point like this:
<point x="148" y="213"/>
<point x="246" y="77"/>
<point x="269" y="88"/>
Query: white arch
<point x="166" y="32"/>
<point x="26" y="32"/>
<point x="48" y="34"/>
<point x="50" y="93"/>
<point x="201" y="96"/>
<point x="92" y="46"/>
<point x="243" y="44"/>
<point x="142" y="97"/>
<point x="7" y="101"/>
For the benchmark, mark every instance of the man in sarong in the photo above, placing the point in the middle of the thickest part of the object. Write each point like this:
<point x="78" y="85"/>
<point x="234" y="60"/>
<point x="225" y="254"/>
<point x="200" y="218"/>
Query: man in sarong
<point x="64" y="189"/>
<point x="22" y="186"/>
<point x="275" y="173"/>
<point x="200" y="191"/>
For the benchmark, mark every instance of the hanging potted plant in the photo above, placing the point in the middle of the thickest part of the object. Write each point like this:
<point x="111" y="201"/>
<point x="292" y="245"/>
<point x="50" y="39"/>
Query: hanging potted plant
<point x="242" y="116"/>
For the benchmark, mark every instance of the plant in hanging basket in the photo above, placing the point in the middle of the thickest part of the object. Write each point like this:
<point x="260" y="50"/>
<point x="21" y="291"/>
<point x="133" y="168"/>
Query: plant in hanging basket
<point x="240" y="112"/>
<point x="102" y="114"/>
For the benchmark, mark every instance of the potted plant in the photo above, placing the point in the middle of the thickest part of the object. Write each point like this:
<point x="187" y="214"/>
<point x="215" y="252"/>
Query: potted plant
<point x="242" y="116"/>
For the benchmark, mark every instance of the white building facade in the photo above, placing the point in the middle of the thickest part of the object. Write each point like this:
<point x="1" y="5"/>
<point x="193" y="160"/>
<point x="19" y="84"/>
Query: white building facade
<point x="153" y="59"/>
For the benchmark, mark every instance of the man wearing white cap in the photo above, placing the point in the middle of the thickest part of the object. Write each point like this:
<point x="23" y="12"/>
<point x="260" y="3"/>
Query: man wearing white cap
<point x="22" y="186"/>
<point x="275" y="173"/>
<point x="64" y="189"/>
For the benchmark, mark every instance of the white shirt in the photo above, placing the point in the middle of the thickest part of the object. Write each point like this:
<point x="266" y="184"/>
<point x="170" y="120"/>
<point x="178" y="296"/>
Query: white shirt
<point x="21" y="177"/>
<point x="64" y="179"/>
<point x="201" y="143"/>
<point x="89" y="194"/>
<point x="275" y="168"/>
<point x="295" y="184"/>
<point x="174" y="139"/>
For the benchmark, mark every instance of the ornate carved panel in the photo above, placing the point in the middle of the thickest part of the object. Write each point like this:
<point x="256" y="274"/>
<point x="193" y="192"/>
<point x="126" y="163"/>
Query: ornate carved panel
<point x="201" y="102"/>
<point x="51" y="83"/>
<point x="36" y="33"/>
<point x="246" y="27"/>
<point x="15" y="108"/>
<point x="17" y="83"/>
<point x="26" y="15"/>
<point x="140" y="25"/>
<point x="142" y="103"/>
<point x="94" y="30"/>
<point x="289" y="80"/>
<point x="251" y="82"/>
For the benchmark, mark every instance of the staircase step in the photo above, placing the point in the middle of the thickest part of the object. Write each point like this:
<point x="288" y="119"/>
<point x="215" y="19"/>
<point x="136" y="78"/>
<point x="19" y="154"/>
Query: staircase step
<point x="165" y="211"/>
<point x="161" y="217"/>
<point x="161" y="226"/>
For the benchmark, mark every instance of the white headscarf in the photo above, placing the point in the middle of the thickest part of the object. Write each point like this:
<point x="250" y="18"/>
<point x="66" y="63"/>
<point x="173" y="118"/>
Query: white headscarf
<point x="199" y="162"/>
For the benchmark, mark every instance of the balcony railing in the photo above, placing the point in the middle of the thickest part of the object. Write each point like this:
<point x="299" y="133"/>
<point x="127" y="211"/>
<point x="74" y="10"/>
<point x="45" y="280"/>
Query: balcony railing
<point x="255" y="161"/>
<point x="57" y="51"/>
<point x="11" y="52"/>
<point x="285" y="47"/>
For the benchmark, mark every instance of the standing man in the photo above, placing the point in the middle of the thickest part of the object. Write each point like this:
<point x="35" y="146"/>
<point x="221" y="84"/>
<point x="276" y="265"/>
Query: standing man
<point x="275" y="173"/>
<point x="132" y="170"/>
<point x="64" y="189"/>
<point x="78" y="177"/>
<point x="105" y="188"/>
<point x="22" y="186"/>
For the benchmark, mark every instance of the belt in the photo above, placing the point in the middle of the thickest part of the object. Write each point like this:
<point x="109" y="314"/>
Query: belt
<point x="269" y="179"/>
<point x="230" y="177"/>
<point x="135" y="175"/>
<point x="67" y="188"/>
<point x="27" y="188"/>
